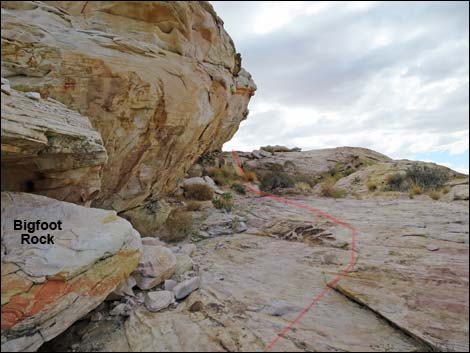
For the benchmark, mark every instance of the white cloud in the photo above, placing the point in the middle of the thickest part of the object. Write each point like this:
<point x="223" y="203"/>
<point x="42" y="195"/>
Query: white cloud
<point x="393" y="77"/>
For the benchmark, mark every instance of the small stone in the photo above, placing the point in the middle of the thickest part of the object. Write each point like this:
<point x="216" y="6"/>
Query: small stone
<point x="432" y="247"/>
<point x="156" y="301"/>
<point x="152" y="241"/>
<point x="170" y="284"/>
<point x="125" y="288"/>
<point x="6" y="86"/>
<point x="239" y="227"/>
<point x="196" y="306"/>
<point x="188" y="249"/>
<point x="33" y="95"/>
<point x="121" y="310"/>
<point x="183" y="264"/>
<point x="185" y="288"/>
<point x="156" y="265"/>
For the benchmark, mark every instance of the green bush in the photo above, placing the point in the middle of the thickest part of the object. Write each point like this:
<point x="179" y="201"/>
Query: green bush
<point x="224" y="201"/>
<point x="240" y="188"/>
<point x="275" y="180"/>
<point x="396" y="182"/>
<point x="427" y="177"/>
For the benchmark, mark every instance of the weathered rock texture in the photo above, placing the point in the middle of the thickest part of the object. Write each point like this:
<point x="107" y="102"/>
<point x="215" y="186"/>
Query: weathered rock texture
<point x="399" y="296"/>
<point x="161" y="82"/>
<point x="46" y="288"/>
<point x="49" y="149"/>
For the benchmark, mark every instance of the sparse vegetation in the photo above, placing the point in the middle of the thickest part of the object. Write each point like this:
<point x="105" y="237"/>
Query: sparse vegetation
<point x="275" y="180"/>
<point x="433" y="194"/>
<point x="225" y="175"/>
<point x="427" y="177"/>
<point x="192" y="206"/>
<point x="240" y="188"/>
<point x="372" y="186"/>
<point x="179" y="225"/>
<point x="224" y="201"/>
<point x="251" y="176"/>
<point x="446" y="190"/>
<point x="328" y="189"/>
<point x="201" y="192"/>
<point x="418" y="179"/>
<point x="396" y="182"/>
<point x="416" y="189"/>
<point x="308" y="179"/>
<point x="303" y="187"/>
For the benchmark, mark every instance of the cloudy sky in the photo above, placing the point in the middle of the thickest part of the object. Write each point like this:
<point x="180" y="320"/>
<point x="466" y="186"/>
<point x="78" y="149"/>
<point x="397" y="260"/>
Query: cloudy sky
<point x="393" y="77"/>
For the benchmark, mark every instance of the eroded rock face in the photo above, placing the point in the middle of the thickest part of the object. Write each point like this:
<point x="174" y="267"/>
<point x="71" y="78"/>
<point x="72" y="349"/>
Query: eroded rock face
<point x="46" y="288"/>
<point x="161" y="82"/>
<point x="49" y="149"/>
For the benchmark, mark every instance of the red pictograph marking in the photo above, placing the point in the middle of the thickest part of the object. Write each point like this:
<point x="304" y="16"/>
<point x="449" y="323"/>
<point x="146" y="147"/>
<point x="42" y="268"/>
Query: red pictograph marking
<point x="317" y="212"/>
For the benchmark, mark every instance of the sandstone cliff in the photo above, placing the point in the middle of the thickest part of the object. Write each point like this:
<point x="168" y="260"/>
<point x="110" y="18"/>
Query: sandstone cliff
<point x="160" y="81"/>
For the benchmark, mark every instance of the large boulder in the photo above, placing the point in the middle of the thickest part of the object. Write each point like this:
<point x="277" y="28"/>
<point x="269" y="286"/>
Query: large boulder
<point x="49" y="149"/>
<point x="47" y="287"/>
<point x="156" y="265"/>
<point x="161" y="81"/>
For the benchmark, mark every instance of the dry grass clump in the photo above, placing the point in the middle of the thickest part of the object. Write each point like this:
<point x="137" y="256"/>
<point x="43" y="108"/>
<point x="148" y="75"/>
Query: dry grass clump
<point x="435" y="195"/>
<point x="303" y="187"/>
<point x="372" y="186"/>
<point x="199" y="192"/>
<point x="416" y="189"/>
<point x="225" y="175"/>
<point x="179" y="225"/>
<point x="328" y="189"/>
<point x="224" y="201"/>
<point x="446" y="190"/>
<point x="193" y="206"/>
<point x="251" y="176"/>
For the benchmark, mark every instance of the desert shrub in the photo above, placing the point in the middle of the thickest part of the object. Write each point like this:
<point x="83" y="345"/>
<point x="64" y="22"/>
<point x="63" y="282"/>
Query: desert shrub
<point x="251" y="176"/>
<point x="357" y="179"/>
<point x="328" y="189"/>
<point x="225" y="175"/>
<point x="276" y="180"/>
<point x="305" y="178"/>
<point x="179" y="225"/>
<point x="433" y="194"/>
<point x="427" y="177"/>
<point x="371" y="186"/>
<point x="446" y="190"/>
<point x="240" y="188"/>
<point x="224" y="201"/>
<point x="416" y="189"/>
<point x="193" y="206"/>
<point x="303" y="187"/>
<point x="396" y="182"/>
<point x="201" y="192"/>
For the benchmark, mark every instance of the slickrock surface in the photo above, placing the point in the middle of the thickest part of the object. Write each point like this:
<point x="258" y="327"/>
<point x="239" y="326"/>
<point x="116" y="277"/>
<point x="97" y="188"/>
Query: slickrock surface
<point x="49" y="149"/>
<point x="46" y="288"/>
<point x="311" y="163"/>
<point x="161" y="82"/>
<point x="400" y="296"/>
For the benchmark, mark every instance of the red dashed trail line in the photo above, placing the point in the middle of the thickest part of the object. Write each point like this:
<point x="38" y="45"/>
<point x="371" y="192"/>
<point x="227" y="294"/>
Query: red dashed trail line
<point x="317" y="212"/>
